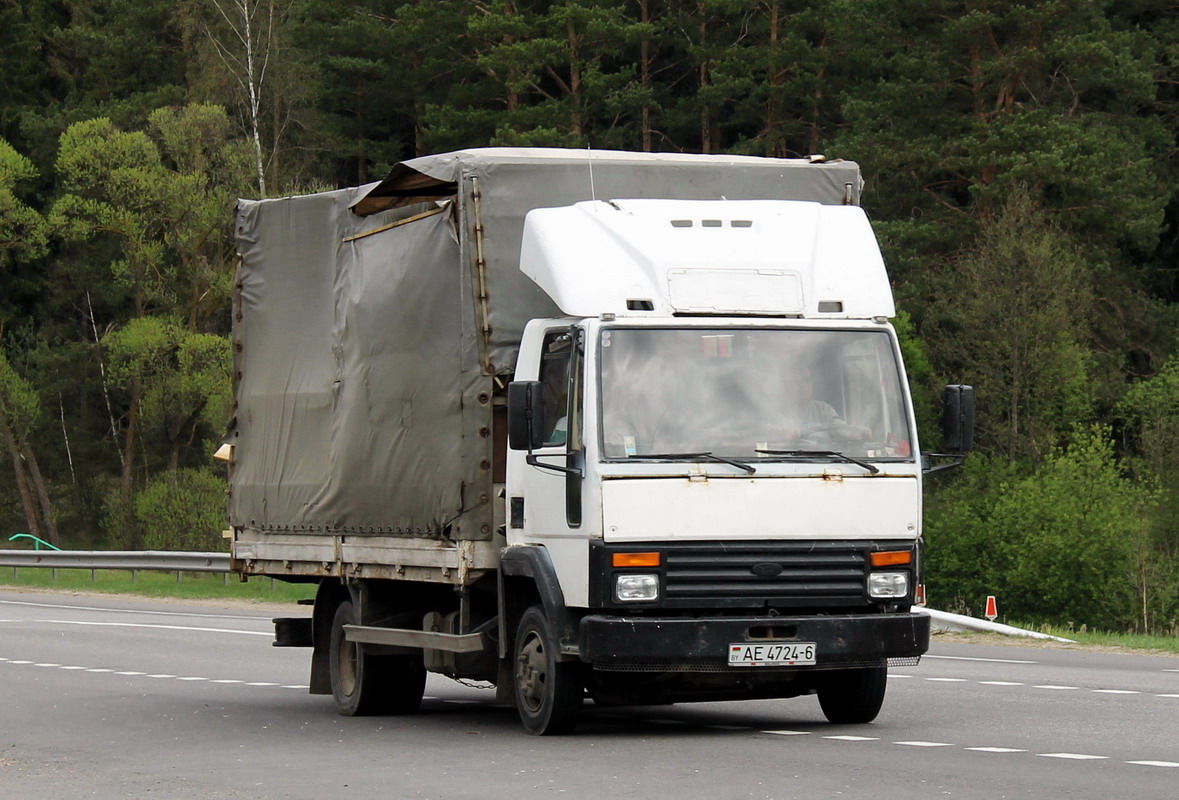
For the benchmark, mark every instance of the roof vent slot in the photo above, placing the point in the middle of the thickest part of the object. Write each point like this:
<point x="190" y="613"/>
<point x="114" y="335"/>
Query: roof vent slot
<point x="681" y="223"/>
<point x="712" y="223"/>
<point x="640" y="305"/>
<point x="830" y="306"/>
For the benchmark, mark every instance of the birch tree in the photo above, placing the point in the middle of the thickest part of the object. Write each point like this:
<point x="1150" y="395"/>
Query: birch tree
<point x="244" y="35"/>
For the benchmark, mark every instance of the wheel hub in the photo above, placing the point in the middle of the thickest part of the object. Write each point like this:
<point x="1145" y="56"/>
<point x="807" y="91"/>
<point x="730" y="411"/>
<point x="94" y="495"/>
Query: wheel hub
<point x="531" y="667"/>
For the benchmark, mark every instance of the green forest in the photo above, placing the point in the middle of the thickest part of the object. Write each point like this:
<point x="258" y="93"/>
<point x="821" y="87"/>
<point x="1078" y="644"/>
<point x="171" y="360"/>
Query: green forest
<point x="1021" y="161"/>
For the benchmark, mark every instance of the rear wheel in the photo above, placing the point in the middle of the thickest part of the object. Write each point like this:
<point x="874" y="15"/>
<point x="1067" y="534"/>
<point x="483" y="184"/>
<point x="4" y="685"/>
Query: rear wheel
<point x="548" y="692"/>
<point x="853" y="696"/>
<point x="364" y="684"/>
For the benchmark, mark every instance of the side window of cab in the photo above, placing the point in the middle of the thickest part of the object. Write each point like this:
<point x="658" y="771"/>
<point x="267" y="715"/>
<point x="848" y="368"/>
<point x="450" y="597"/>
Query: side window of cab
<point x="554" y="375"/>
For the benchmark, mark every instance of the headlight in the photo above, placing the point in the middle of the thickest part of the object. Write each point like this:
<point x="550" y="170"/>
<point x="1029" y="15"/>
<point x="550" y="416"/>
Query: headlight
<point x="629" y="588"/>
<point x="888" y="584"/>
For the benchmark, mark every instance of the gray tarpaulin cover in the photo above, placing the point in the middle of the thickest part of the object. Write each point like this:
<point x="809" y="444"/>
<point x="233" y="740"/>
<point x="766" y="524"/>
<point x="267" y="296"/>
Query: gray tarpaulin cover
<point x="364" y="353"/>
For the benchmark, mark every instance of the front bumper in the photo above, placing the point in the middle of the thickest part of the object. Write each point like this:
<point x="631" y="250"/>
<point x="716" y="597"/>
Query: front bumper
<point x="684" y="644"/>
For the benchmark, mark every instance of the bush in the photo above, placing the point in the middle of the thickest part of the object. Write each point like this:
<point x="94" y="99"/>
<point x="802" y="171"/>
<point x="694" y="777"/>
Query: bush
<point x="1069" y="542"/>
<point x="962" y="557"/>
<point x="182" y="510"/>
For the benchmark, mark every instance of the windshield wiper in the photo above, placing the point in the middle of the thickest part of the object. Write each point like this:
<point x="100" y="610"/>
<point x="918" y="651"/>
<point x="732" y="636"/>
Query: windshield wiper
<point x="873" y="469"/>
<point x="694" y="456"/>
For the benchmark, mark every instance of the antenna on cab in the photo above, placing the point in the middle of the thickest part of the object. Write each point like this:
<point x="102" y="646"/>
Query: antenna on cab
<point x="590" y="159"/>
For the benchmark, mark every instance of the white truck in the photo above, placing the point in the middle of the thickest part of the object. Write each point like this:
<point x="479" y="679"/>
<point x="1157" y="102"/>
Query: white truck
<point x="631" y="426"/>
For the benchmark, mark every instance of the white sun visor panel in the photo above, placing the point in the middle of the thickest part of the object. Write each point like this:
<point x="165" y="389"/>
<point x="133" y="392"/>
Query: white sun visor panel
<point x="770" y="257"/>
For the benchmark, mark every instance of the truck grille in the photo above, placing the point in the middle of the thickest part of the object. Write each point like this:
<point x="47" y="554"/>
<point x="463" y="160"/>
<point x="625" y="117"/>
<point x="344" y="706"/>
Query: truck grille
<point x="760" y="574"/>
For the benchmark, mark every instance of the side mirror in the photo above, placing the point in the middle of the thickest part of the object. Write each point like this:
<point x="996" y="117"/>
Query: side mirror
<point x="957" y="419"/>
<point x="525" y="415"/>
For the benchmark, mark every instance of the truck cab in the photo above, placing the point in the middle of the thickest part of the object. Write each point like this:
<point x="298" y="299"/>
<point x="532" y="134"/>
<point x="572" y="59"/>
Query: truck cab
<point x="713" y="458"/>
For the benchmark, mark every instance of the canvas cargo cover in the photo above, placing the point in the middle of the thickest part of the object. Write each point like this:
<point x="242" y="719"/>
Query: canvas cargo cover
<point x="370" y="323"/>
<point x="350" y="371"/>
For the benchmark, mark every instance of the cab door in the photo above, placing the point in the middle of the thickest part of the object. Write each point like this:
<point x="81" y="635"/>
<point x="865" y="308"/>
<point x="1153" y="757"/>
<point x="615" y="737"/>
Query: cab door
<point x="553" y="486"/>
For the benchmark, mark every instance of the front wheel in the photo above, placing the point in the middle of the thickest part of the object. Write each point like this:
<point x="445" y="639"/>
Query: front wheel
<point x="853" y="696"/>
<point x="363" y="683"/>
<point x="548" y="691"/>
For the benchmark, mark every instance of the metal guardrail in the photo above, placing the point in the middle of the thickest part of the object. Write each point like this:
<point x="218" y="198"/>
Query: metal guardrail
<point x="162" y="560"/>
<point x="944" y="620"/>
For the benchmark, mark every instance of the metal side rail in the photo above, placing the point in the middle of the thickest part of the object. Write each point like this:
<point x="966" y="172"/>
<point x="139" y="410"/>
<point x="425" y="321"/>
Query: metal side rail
<point x="945" y="621"/>
<point x="165" y="560"/>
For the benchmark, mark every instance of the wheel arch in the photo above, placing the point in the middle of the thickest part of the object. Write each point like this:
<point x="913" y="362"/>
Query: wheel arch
<point x="526" y="578"/>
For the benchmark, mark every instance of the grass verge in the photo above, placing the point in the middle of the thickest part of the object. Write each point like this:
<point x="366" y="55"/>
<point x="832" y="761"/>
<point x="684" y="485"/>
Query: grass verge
<point x="190" y="586"/>
<point x="1127" y="641"/>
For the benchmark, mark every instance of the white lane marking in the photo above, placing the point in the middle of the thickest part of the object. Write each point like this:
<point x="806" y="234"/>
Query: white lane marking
<point x="164" y="676"/>
<point x="925" y="744"/>
<point x="1069" y="756"/>
<point x="892" y="675"/>
<point x="125" y="611"/>
<point x="988" y="660"/>
<point x="146" y="625"/>
<point x="1040" y="686"/>
<point x="1168" y="670"/>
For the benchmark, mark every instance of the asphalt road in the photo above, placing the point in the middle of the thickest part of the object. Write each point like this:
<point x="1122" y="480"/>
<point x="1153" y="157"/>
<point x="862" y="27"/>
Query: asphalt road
<point x="108" y="697"/>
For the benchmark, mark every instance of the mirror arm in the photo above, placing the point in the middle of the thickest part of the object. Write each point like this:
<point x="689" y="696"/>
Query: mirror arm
<point x="928" y="469"/>
<point x="534" y="460"/>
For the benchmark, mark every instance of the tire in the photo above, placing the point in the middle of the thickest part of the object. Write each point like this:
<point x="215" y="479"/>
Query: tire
<point x="548" y="692"/>
<point x="853" y="696"/>
<point x="364" y="684"/>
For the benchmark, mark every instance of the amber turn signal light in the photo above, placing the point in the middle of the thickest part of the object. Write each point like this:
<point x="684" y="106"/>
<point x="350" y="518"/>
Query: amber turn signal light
<point x="892" y="558"/>
<point x="636" y="559"/>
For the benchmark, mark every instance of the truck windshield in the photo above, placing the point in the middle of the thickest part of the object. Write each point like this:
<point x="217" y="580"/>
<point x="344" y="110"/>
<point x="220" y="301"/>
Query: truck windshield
<point x="752" y="394"/>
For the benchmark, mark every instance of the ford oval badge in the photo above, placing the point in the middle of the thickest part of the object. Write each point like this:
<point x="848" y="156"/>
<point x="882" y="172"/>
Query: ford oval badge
<point x="767" y="569"/>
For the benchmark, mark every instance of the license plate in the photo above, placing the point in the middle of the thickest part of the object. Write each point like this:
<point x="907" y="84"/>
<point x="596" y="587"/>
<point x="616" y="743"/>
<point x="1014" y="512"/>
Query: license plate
<point x="778" y="654"/>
